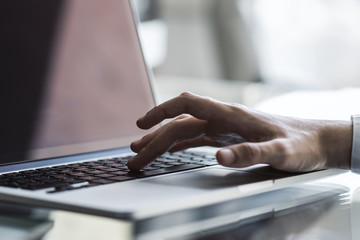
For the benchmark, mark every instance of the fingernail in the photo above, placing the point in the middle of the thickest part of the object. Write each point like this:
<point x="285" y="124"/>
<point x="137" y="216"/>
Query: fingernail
<point x="227" y="156"/>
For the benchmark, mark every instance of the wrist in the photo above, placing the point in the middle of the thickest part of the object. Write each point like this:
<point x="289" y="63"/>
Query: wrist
<point x="336" y="139"/>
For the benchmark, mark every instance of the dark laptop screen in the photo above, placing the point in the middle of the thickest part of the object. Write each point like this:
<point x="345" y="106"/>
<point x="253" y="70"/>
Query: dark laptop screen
<point x="73" y="78"/>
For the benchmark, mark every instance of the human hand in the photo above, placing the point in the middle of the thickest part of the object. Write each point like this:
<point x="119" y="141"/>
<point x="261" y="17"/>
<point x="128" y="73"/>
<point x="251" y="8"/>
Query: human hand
<point x="247" y="136"/>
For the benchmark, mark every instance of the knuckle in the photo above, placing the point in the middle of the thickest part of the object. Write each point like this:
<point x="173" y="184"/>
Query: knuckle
<point x="282" y="152"/>
<point x="186" y="94"/>
<point x="186" y="98"/>
<point x="182" y="117"/>
<point x="234" y="107"/>
<point x="282" y="149"/>
<point x="248" y="152"/>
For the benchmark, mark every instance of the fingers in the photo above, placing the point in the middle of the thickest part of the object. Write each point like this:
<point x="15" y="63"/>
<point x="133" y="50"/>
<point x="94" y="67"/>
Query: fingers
<point x="155" y="144"/>
<point x="199" y="107"/>
<point x="272" y="152"/>
<point x="136" y="146"/>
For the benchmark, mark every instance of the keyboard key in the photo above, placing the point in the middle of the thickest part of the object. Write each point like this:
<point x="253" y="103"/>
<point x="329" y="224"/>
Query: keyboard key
<point x="111" y="169"/>
<point x="91" y="164"/>
<point x="59" y="176"/>
<point x="117" y="165"/>
<point x="106" y="162"/>
<point x="159" y="165"/>
<point x="77" y="174"/>
<point x="89" y="178"/>
<point x="142" y="174"/>
<point x="121" y="178"/>
<point x="66" y="170"/>
<point x="100" y="167"/>
<point x="117" y="173"/>
<point x="105" y="175"/>
<point x="177" y="163"/>
<point x="82" y="169"/>
<point x="95" y="172"/>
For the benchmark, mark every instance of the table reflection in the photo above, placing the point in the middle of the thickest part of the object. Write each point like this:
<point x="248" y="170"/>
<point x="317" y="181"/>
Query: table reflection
<point x="355" y="214"/>
<point x="304" y="211"/>
<point x="324" y="219"/>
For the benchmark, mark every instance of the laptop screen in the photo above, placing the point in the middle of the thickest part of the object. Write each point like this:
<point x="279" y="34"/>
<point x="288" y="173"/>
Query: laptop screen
<point x="73" y="78"/>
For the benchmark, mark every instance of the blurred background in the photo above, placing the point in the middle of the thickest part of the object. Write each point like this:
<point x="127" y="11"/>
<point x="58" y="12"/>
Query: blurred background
<point x="293" y="57"/>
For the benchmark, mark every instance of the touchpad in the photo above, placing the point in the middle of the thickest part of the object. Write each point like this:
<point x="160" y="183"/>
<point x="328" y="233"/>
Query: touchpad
<point x="211" y="178"/>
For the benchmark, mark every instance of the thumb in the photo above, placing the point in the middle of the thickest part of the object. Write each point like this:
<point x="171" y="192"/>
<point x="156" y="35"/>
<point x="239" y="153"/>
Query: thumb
<point x="247" y="154"/>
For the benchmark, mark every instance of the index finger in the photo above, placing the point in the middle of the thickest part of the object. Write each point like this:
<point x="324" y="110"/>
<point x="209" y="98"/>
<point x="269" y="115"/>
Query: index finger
<point x="187" y="103"/>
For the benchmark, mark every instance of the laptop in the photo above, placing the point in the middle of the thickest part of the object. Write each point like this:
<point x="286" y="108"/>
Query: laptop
<point x="74" y="81"/>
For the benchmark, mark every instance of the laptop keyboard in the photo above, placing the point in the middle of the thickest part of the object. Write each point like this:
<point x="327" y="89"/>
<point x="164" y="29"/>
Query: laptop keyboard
<point x="99" y="172"/>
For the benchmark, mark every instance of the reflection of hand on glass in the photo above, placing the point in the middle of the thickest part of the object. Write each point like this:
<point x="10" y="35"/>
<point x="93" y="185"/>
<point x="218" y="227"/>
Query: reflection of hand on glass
<point x="247" y="136"/>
